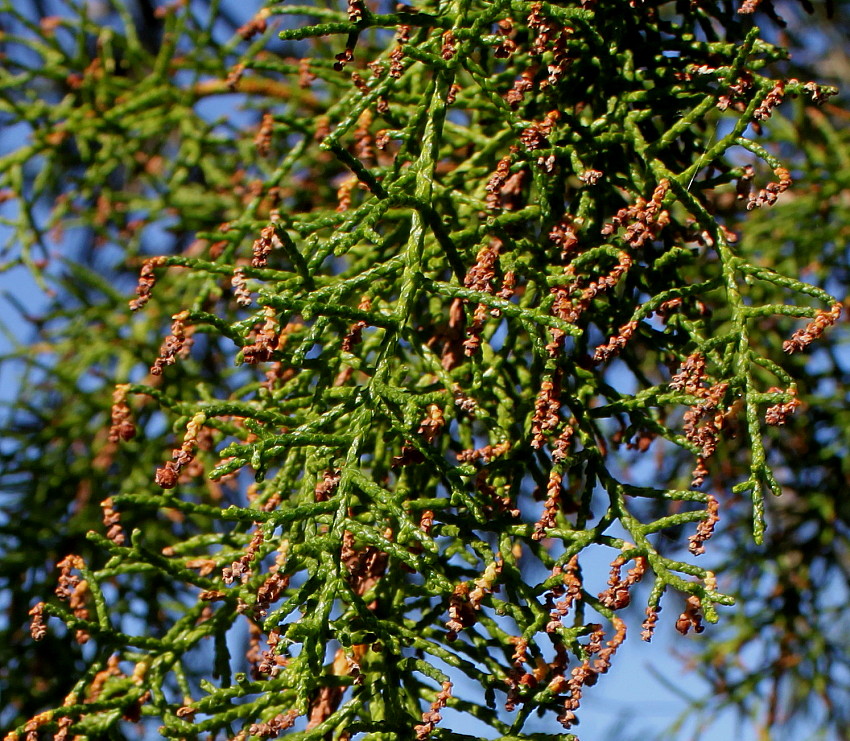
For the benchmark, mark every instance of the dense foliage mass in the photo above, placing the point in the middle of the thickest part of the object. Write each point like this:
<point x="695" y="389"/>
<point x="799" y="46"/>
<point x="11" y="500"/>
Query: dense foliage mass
<point x="434" y="304"/>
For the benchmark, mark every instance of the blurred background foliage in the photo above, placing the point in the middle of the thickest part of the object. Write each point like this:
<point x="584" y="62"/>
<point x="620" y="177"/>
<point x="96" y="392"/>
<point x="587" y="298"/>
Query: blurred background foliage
<point x="101" y="198"/>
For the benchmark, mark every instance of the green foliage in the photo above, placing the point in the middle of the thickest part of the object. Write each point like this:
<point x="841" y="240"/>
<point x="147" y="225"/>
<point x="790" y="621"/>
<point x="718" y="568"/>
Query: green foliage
<point x="438" y="285"/>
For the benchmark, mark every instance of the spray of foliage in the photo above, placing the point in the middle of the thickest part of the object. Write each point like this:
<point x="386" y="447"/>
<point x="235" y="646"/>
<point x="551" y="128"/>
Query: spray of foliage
<point x="406" y="323"/>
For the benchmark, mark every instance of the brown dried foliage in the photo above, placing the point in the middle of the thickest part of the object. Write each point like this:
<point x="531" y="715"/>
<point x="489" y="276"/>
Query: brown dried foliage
<point x="272" y="728"/>
<point x="122" y="427"/>
<point x="643" y="220"/>
<point x="432" y="716"/>
<point x="168" y="475"/>
<point x="705" y="529"/>
<point x="618" y="594"/>
<point x="768" y="195"/>
<point x="112" y="522"/>
<point x="778" y="413"/>
<point x="175" y="344"/>
<point x="147" y="280"/>
<point x="589" y="671"/>
<point x="690" y="617"/>
<point x="241" y="569"/>
<point x="547" y="408"/>
<point x="802" y="338"/>
<point x="266" y="340"/>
